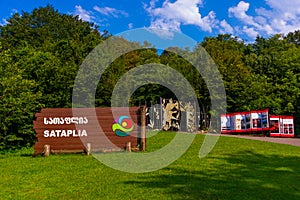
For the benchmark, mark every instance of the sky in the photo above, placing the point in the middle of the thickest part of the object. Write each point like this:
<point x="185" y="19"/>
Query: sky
<point x="195" y="18"/>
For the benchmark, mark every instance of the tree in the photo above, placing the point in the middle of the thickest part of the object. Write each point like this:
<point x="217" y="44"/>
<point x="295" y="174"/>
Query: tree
<point x="278" y="61"/>
<point x="49" y="47"/>
<point x="294" y="37"/>
<point x="40" y="55"/>
<point x="18" y="103"/>
<point x="228" y="54"/>
<point x="120" y="67"/>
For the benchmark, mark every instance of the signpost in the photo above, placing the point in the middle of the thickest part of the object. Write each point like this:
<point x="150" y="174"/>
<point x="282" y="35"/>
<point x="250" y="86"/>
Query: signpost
<point x="81" y="130"/>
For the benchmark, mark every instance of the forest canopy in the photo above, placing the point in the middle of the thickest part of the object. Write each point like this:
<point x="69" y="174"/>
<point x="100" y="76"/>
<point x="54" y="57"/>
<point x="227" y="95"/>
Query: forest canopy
<point x="41" y="52"/>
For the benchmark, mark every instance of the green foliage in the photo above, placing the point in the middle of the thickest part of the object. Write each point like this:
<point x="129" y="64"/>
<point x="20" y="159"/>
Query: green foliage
<point x="228" y="54"/>
<point x="19" y="102"/>
<point x="118" y="68"/>
<point x="40" y="55"/>
<point x="50" y="46"/>
<point x="278" y="61"/>
<point x="261" y="75"/>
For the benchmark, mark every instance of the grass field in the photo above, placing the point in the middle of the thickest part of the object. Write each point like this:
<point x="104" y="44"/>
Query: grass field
<point x="235" y="169"/>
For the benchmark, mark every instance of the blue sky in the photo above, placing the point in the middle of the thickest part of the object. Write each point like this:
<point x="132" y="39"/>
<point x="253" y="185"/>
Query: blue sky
<point x="195" y="18"/>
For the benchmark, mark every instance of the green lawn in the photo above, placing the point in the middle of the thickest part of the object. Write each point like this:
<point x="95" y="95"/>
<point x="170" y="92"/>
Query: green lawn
<point x="235" y="169"/>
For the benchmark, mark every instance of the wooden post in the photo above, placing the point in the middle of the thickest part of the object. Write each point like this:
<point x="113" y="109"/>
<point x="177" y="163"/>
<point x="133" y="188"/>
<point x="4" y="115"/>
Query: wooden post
<point x="46" y="150"/>
<point x="88" y="149"/>
<point x="128" y="146"/>
<point x="143" y="128"/>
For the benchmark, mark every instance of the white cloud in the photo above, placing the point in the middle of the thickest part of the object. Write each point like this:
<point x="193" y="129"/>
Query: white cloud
<point x="130" y="25"/>
<point x="284" y="16"/>
<point x="107" y="11"/>
<point x="84" y="14"/>
<point x="280" y="17"/>
<point x="3" y="22"/>
<point x="172" y="15"/>
<point x="290" y="6"/>
<point x="210" y="22"/>
<point x="240" y="12"/>
<point x="14" y="11"/>
<point x="226" y="28"/>
<point x="250" y="31"/>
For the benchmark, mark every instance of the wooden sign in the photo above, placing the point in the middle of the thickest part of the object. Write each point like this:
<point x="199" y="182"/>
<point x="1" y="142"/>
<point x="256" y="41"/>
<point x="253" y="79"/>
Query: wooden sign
<point x="89" y="129"/>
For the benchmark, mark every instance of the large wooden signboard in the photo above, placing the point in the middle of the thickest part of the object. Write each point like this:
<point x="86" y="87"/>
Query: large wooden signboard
<point x="100" y="129"/>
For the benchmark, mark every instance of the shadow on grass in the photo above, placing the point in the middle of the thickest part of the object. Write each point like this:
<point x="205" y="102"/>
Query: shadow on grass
<point x="245" y="175"/>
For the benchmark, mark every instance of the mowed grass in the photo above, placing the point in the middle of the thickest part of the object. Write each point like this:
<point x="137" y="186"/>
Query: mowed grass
<point x="235" y="169"/>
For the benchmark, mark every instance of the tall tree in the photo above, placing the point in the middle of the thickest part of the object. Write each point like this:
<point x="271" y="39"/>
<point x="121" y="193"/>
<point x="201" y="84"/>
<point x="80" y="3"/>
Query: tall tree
<point x="278" y="61"/>
<point x="40" y="55"/>
<point x="228" y="54"/>
<point x="19" y="101"/>
<point x="60" y="42"/>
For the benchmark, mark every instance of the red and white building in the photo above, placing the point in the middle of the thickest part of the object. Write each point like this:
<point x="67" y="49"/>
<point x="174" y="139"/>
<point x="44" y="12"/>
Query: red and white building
<point x="257" y="121"/>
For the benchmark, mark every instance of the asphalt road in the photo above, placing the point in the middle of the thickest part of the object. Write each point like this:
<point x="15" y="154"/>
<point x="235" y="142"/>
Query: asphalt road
<point x="289" y="141"/>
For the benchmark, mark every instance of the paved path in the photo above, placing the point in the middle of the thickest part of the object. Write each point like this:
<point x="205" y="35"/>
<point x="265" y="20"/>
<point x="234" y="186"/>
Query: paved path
<point x="289" y="141"/>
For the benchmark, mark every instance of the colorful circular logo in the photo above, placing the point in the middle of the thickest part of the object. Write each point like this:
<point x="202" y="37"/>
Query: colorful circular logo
<point x="123" y="126"/>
